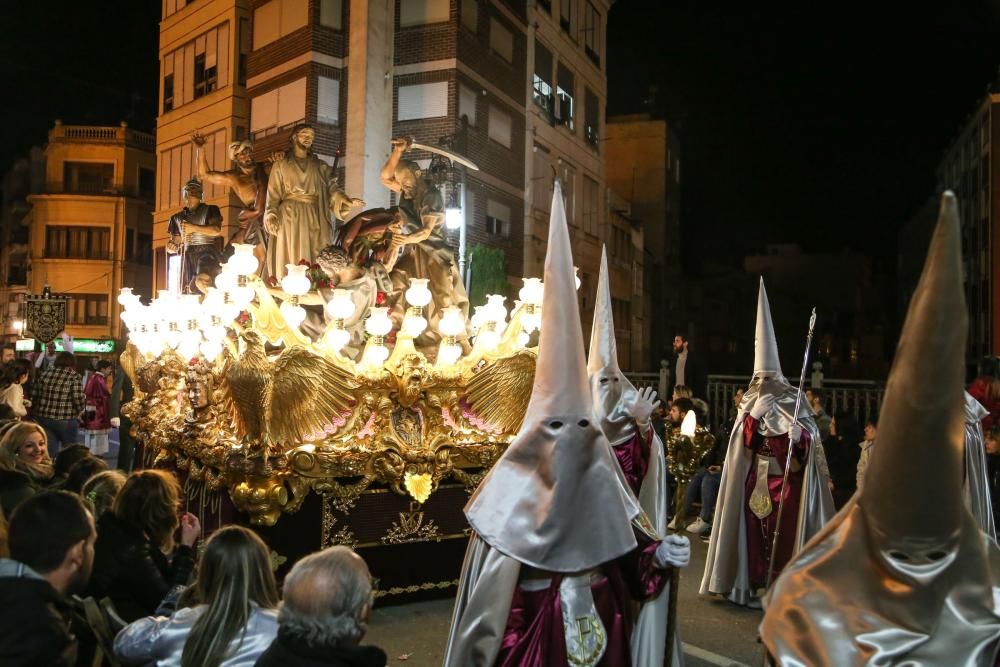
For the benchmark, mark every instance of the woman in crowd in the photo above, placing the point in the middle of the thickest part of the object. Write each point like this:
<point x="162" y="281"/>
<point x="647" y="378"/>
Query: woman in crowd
<point x="25" y="467"/>
<point x="100" y="491"/>
<point x="65" y="460"/>
<point x="135" y="560"/>
<point x="81" y="471"/>
<point x="15" y="374"/>
<point x="235" y="617"/>
<point x="96" y="420"/>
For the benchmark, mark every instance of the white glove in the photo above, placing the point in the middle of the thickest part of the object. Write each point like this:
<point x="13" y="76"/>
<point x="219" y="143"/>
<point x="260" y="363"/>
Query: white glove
<point x="794" y="433"/>
<point x="115" y="422"/>
<point x="641" y="404"/>
<point x="762" y="406"/>
<point x="673" y="551"/>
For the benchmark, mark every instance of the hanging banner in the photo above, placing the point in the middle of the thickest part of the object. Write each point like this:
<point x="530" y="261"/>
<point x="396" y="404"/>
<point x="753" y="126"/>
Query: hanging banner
<point x="45" y="315"/>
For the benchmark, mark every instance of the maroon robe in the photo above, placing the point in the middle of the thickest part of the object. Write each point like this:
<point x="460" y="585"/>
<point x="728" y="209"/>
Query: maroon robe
<point x="760" y="532"/>
<point x="99" y="397"/>
<point x="633" y="457"/>
<point x="534" y="636"/>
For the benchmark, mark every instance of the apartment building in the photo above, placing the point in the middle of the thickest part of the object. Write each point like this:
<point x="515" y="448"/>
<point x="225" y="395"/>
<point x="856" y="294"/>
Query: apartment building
<point x="967" y="169"/>
<point x="90" y="228"/>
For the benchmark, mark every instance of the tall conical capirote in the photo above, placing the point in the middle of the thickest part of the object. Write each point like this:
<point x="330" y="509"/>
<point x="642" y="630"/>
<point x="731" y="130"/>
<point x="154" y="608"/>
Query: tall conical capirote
<point x="913" y="484"/>
<point x="608" y="385"/>
<point x="603" y="352"/>
<point x="765" y="345"/>
<point x="553" y="500"/>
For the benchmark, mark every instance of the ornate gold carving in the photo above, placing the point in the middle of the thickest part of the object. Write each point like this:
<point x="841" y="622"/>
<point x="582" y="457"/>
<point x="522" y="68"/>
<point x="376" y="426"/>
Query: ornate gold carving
<point x="411" y="527"/>
<point x="270" y="427"/>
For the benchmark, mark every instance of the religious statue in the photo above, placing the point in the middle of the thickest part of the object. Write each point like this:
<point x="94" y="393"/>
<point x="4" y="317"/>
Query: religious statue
<point x="248" y="181"/>
<point x="302" y="195"/>
<point x="193" y="232"/>
<point x="421" y="214"/>
<point x="365" y="283"/>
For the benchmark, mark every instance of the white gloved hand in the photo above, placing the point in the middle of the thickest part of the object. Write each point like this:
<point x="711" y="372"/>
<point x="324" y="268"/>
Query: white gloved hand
<point x="762" y="406"/>
<point x="115" y="422"/>
<point x="640" y="405"/>
<point x="673" y="551"/>
<point x="794" y="433"/>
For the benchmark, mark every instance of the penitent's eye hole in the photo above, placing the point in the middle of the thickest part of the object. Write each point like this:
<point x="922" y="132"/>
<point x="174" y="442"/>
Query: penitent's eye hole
<point x="604" y="380"/>
<point x="583" y="423"/>
<point x="899" y="555"/>
<point x="556" y="425"/>
<point x="937" y="555"/>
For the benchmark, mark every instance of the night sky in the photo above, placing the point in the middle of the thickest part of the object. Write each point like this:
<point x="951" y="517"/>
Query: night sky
<point x="815" y="124"/>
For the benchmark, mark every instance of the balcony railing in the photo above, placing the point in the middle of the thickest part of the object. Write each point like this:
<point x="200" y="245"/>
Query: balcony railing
<point x="859" y="397"/>
<point x="103" y="134"/>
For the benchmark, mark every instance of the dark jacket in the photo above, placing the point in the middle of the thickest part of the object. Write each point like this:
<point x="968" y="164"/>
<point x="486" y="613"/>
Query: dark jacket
<point x="34" y="620"/>
<point x="15" y="488"/>
<point x="132" y="571"/>
<point x="288" y="651"/>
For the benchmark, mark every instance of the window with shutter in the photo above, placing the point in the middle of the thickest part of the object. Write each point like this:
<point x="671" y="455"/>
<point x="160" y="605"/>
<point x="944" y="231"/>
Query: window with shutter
<point x="422" y="12"/>
<point x="501" y="40"/>
<point x="467" y="104"/>
<point x="499" y="129"/>
<point x="424" y="100"/>
<point x="331" y="14"/>
<point x="328" y="92"/>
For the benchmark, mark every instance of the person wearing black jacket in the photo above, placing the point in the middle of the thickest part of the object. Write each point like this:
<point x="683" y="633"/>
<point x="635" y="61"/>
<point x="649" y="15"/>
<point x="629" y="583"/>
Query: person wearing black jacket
<point x="51" y="541"/>
<point x="842" y="455"/>
<point x="130" y="566"/>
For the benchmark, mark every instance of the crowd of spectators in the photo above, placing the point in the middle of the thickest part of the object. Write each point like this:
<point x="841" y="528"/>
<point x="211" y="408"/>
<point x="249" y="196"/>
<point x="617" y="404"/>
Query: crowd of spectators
<point x="126" y="543"/>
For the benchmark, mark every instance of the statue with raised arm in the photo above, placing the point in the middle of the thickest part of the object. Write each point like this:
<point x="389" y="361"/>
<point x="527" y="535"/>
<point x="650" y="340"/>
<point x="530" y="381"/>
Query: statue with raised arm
<point x="192" y="235"/>
<point x="302" y="202"/>
<point x="421" y="215"/>
<point x="248" y="181"/>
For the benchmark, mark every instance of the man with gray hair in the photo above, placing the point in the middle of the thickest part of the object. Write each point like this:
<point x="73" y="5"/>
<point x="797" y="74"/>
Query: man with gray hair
<point x="324" y="615"/>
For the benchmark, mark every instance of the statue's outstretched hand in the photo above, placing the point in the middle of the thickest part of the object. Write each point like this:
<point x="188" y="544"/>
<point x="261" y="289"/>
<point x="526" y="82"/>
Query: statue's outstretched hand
<point x="271" y="224"/>
<point x="641" y="404"/>
<point x="198" y="139"/>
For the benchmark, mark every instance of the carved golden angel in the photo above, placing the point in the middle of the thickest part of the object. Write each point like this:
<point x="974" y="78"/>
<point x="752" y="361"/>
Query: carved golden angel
<point x="298" y="396"/>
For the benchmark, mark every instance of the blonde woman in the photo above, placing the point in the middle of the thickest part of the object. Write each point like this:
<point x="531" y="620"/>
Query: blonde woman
<point x="25" y="467"/>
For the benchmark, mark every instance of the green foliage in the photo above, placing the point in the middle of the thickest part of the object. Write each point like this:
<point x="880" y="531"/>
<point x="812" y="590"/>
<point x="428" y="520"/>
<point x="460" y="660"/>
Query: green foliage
<point x="489" y="273"/>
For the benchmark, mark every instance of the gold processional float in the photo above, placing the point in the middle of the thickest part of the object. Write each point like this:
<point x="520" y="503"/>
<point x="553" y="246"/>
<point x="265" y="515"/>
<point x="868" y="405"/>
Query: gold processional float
<point x="242" y="400"/>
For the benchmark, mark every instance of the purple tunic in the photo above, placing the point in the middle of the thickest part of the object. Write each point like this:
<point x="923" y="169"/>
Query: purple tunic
<point x="534" y="636"/>
<point x="760" y="532"/>
<point x="633" y="457"/>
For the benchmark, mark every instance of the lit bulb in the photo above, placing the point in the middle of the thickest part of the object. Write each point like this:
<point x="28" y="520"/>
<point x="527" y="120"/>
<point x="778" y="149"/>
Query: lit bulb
<point x="188" y="347"/>
<point x="452" y="321"/>
<point x="413" y="324"/>
<point x="337" y="338"/>
<point x="448" y="354"/>
<point x="576" y="275"/>
<point x="488" y="338"/>
<point x="296" y="282"/>
<point x="532" y="291"/>
<point x="227" y="278"/>
<point x="341" y="306"/>
<point x="375" y="355"/>
<point x="478" y="318"/>
<point x="378" y="322"/>
<point x="453" y="218"/>
<point x="495" y="308"/>
<point x="522" y="339"/>
<point x="418" y="294"/>
<point x="689" y="424"/>
<point x="243" y="260"/>
<point x="211" y="349"/>
<point x="293" y="313"/>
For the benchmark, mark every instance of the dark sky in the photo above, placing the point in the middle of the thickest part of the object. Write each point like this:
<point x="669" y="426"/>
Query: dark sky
<point x="820" y="124"/>
<point x="815" y="123"/>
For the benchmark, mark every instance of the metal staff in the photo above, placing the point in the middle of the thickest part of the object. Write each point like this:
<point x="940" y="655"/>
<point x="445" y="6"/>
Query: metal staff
<point x="788" y="458"/>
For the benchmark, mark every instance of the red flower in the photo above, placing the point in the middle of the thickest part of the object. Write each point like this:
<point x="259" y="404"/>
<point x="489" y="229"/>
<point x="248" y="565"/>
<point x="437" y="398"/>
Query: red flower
<point x="243" y="317"/>
<point x="314" y="267"/>
<point x="380" y="299"/>
<point x="193" y="361"/>
<point x="305" y="262"/>
<point x="391" y="337"/>
<point x="272" y="281"/>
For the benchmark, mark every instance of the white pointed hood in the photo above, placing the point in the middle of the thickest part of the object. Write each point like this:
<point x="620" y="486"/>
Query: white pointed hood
<point x="765" y="345"/>
<point x="608" y="385"/>
<point x="554" y="500"/>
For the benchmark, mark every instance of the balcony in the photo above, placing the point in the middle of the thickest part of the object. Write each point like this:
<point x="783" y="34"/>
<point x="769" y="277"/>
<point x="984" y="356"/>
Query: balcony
<point x="90" y="134"/>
